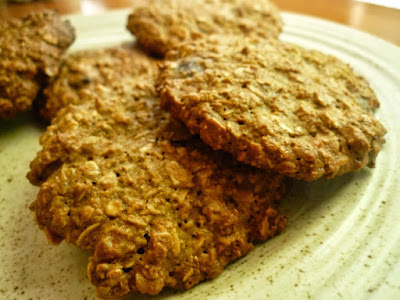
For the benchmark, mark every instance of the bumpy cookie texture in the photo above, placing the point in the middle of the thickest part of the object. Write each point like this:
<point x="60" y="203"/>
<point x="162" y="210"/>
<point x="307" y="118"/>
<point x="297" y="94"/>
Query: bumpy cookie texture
<point x="274" y="105"/>
<point x="154" y="206"/>
<point x="30" y="52"/>
<point x="84" y="70"/>
<point x="160" y="25"/>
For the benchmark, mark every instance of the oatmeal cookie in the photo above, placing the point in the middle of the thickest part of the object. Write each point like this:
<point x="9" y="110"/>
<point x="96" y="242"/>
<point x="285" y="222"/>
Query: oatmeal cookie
<point x="30" y="53"/>
<point x="161" y="25"/>
<point x="154" y="206"/>
<point x="275" y="105"/>
<point x="83" y="70"/>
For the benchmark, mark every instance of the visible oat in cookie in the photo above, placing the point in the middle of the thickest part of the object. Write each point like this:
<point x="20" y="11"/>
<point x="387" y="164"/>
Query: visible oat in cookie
<point x="162" y="24"/>
<point x="154" y="206"/>
<point x="30" y="52"/>
<point x="83" y="70"/>
<point x="274" y="105"/>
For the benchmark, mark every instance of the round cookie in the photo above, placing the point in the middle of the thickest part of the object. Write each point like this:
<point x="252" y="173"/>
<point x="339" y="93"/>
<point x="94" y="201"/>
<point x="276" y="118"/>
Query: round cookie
<point x="160" y="25"/>
<point x="30" y="52"/>
<point x="154" y="206"/>
<point x="83" y="70"/>
<point x="274" y="105"/>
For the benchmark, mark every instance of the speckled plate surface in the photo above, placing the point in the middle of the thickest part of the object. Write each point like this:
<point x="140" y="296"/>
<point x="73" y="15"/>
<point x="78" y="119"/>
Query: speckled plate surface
<point x="343" y="240"/>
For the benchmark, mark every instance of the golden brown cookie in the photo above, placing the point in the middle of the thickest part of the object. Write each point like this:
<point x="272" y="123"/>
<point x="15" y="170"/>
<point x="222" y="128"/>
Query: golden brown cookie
<point x="154" y="206"/>
<point x="83" y="70"/>
<point x="162" y="24"/>
<point x="276" y="106"/>
<point x="30" y="53"/>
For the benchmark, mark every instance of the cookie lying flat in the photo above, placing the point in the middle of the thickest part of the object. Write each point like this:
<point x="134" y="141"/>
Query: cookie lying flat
<point x="153" y="205"/>
<point x="161" y="25"/>
<point x="274" y="105"/>
<point x="30" y="53"/>
<point x="83" y="70"/>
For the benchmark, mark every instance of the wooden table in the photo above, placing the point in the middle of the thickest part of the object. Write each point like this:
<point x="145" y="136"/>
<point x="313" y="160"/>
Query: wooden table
<point x="377" y="20"/>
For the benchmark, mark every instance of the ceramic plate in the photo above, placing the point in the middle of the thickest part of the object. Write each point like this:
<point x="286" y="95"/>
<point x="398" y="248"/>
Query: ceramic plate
<point x="343" y="240"/>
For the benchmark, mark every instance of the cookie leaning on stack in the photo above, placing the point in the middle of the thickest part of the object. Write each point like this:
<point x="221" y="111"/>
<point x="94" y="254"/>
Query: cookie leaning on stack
<point x="274" y="105"/>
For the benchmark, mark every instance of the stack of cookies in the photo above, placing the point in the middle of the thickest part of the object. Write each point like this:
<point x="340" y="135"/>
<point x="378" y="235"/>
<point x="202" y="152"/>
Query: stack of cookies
<point x="167" y="160"/>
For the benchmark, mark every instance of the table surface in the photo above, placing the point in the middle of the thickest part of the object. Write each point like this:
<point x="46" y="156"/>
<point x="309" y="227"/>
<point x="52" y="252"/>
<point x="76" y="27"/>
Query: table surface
<point x="380" y="21"/>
